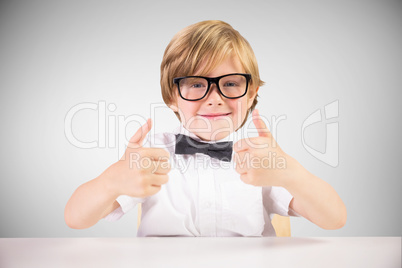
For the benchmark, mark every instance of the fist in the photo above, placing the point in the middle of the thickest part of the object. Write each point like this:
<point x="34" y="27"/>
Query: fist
<point x="260" y="161"/>
<point x="141" y="171"/>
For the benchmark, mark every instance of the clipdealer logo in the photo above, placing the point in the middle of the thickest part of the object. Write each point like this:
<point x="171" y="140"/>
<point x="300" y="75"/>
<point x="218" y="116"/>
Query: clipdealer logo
<point x="112" y="128"/>
<point x="331" y="154"/>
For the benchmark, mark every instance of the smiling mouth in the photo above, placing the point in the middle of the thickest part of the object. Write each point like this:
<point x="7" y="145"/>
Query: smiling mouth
<point x="215" y="115"/>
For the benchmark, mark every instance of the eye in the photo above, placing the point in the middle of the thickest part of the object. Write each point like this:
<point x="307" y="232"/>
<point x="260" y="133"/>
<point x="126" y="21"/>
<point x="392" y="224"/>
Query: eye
<point x="199" y="85"/>
<point x="230" y="84"/>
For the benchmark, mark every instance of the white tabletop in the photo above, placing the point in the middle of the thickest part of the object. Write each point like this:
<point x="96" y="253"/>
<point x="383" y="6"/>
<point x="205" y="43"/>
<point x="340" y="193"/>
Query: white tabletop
<point x="384" y="252"/>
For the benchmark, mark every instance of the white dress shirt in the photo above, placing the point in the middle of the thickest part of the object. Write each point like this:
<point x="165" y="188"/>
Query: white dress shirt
<point x="205" y="197"/>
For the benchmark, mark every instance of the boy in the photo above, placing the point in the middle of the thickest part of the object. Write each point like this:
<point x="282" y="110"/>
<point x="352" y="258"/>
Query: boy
<point x="191" y="182"/>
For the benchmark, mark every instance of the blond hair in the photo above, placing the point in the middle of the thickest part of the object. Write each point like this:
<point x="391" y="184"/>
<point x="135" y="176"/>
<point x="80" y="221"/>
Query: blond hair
<point x="206" y="44"/>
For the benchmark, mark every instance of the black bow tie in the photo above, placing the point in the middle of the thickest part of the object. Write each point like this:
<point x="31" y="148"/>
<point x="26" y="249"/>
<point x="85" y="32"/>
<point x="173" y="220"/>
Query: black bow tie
<point x="219" y="150"/>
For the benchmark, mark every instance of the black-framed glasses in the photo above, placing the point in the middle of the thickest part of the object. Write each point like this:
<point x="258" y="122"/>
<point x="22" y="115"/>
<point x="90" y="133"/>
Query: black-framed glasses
<point x="231" y="86"/>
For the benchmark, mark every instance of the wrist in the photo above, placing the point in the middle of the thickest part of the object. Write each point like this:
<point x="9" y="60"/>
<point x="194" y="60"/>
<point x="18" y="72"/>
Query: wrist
<point x="109" y="183"/>
<point x="294" y="171"/>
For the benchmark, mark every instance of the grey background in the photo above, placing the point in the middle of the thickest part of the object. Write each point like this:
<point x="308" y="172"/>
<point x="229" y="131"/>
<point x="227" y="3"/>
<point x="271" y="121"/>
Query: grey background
<point x="57" y="54"/>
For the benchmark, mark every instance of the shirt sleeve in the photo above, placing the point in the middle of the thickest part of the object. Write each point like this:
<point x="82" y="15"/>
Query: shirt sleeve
<point x="127" y="203"/>
<point x="276" y="200"/>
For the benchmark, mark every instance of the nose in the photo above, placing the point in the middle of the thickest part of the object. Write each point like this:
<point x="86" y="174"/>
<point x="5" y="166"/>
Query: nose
<point x="214" y="97"/>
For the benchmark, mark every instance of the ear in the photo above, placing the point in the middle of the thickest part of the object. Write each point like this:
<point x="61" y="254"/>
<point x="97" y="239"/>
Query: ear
<point x="251" y="98"/>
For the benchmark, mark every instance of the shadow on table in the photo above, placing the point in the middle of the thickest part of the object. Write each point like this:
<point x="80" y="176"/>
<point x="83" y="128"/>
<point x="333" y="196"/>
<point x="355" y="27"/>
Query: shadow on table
<point x="292" y="242"/>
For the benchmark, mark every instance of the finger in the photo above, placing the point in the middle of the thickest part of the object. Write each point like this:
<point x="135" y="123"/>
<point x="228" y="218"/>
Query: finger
<point x="158" y="180"/>
<point x="244" y="178"/>
<point x="148" y="165"/>
<point x="242" y="162"/>
<point x="138" y="138"/>
<point x="153" y="189"/>
<point x="249" y="144"/>
<point x="263" y="131"/>
<point x="241" y="145"/>
<point x="240" y="157"/>
<point x="160" y="167"/>
<point x="155" y="154"/>
<point x="241" y="169"/>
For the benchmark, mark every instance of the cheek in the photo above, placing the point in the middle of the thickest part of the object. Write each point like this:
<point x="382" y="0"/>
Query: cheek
<point x="239" y="106"/>
<point x="187" y="108"/>
<point x="239" y="109"/>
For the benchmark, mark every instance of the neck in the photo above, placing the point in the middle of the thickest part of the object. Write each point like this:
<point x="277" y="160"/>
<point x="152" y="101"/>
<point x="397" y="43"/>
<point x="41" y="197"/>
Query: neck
<point x="212" y="136"/>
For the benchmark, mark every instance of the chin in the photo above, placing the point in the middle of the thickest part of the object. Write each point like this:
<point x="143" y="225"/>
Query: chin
<point x="212" y="129"/>
<point x="216" y="133"/>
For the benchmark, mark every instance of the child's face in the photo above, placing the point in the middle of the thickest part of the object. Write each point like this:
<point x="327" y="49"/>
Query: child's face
<point x="193" y="114"/>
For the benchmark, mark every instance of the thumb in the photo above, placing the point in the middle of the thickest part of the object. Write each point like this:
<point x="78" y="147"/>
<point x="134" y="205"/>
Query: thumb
<point x="138" y="138"/>
<point x="263" y="131"/>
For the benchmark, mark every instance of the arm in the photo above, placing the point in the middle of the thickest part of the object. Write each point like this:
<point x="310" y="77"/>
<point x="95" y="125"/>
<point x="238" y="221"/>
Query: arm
<point x="95" y="199"/>
<point x="313" y="198"/>
<point x="91" y="202"/>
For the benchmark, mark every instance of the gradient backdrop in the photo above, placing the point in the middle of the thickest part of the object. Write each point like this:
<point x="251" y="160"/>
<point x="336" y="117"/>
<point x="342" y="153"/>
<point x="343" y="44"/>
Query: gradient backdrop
<point x="55" y="55"/>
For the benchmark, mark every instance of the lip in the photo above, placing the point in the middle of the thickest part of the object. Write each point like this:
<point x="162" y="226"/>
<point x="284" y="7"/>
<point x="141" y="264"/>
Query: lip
<point x="215" y="115"/>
